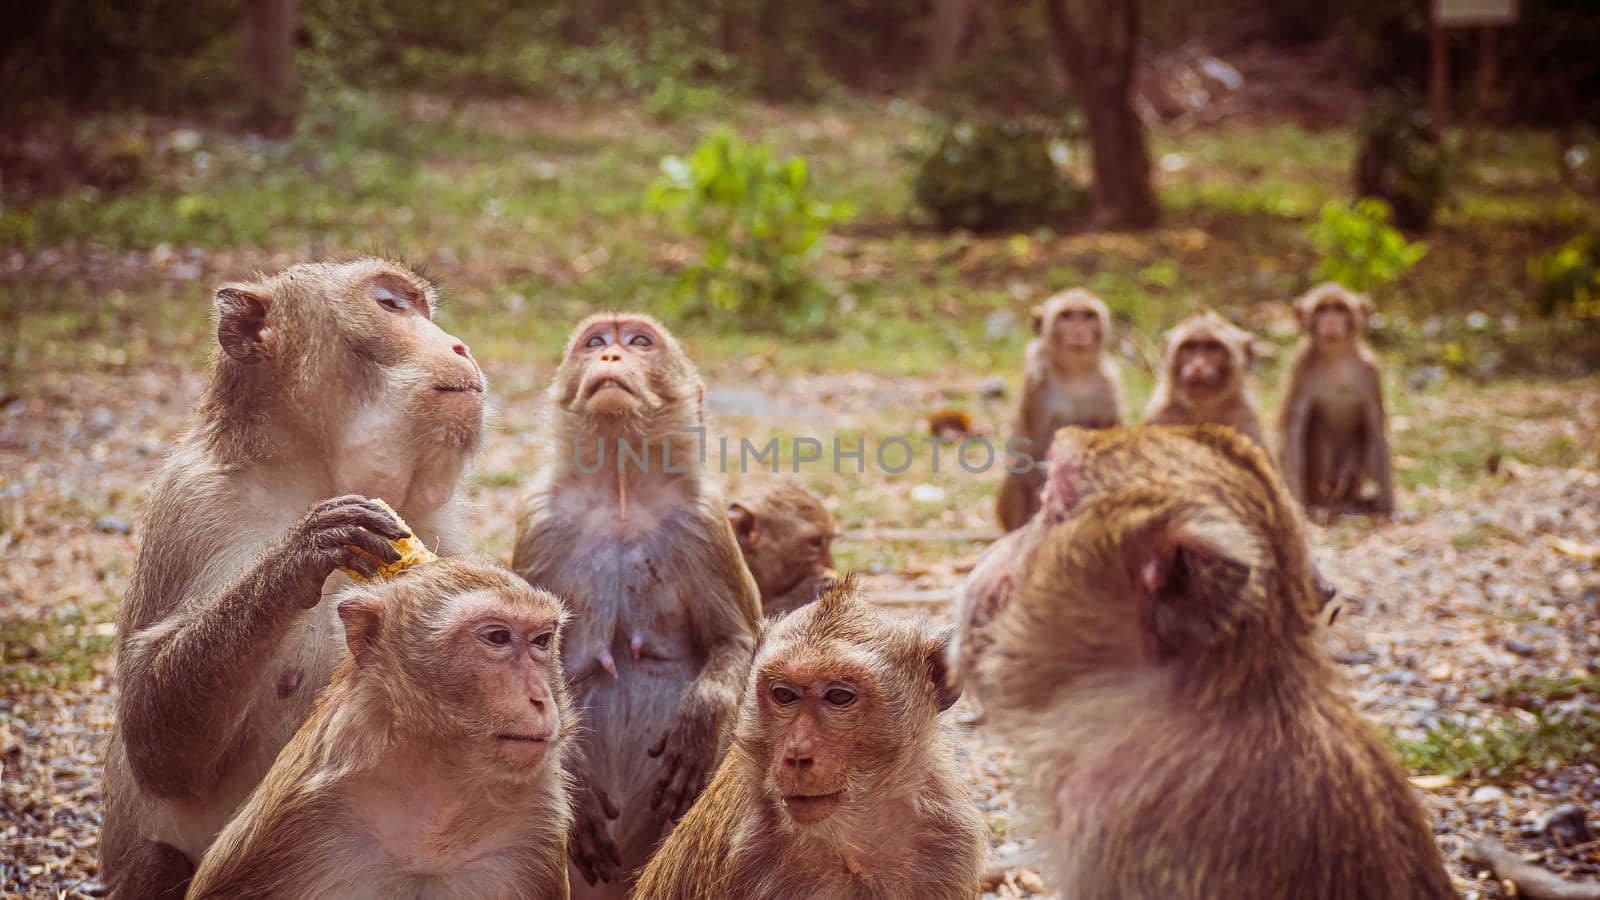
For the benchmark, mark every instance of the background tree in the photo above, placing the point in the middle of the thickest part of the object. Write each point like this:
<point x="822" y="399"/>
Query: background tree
<point x="267" y="44"/>
<point x="1097" y="47"/>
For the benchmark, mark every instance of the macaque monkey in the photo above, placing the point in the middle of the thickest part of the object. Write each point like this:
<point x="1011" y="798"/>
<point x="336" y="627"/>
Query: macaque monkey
<point x="838" y="783"/>
<point x="329" y="381"/>
<point x="1331" y="436"/>
<point x="785" y="534"/>
<point x="624" y="525"/>
<point x="430" y="766"/>
<point x="1149" y="645"/>
<point x="1203" y="368"/>
<point x="1068" y="379"/>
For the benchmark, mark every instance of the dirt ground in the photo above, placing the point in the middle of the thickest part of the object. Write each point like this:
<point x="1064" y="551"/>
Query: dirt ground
<point x="1470" y="588"/>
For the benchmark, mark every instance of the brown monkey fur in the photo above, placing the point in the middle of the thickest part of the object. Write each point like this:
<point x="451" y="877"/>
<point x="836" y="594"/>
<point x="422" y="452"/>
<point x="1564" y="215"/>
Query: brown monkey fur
<point x="837" y="783"/>
<point x="329" y="380"/>
<point x="1332" y="423"/>
<point x="430" y="766"/>
<point x="1204" y="364"/>
<point x="1068" y="379"/>
<point x="1149" y="646"/>
<point x="664" y="612"/>
<point x="785" y="534"/>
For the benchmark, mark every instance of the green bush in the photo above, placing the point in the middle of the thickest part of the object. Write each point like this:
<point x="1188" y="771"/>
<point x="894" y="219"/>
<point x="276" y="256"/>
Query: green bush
<point x="1568" y="278"/>
<point x="759" y="226"/>
<point x="1358" y="248"/>
<point x="997" y="176"/>
<point x="1402" y="161"/>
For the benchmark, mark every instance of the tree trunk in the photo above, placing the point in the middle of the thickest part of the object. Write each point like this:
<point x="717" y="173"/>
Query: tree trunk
<point x="267" y="42"/>
<point x="1097" y="54"/>
<point x="950" y="19"/>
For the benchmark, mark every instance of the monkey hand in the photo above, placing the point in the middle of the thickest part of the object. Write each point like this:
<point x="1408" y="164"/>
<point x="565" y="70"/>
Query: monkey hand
<point x="686" y="750"/>
<point x="592" y="849"/>
<point x="349" y="532"/>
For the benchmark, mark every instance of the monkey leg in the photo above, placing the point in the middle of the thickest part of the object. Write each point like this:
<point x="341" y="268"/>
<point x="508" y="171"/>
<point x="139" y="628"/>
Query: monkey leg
<point x="149" y="870"/>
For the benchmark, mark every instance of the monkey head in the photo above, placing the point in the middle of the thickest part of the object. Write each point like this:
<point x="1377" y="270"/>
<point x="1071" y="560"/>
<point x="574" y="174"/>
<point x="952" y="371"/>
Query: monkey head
<point x="1331" y="314"/>
<point x="463" y="653"/>
<point x="1154" y="547"/>
<point x="785" y="535"/>
<point x="625" y="368"/>
<point x="1074" y="322"/>
<point x="838" y="693"/>
<point x="1206" y="355"/>
<point x="349" y="352"/>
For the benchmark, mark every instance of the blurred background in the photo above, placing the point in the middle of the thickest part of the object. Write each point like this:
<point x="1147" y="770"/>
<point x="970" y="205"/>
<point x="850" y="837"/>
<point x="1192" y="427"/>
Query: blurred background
<point x="845" y="209"/>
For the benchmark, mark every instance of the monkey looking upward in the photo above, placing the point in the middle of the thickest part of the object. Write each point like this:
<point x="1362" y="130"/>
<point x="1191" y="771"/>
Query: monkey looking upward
<point x="785" y="534"/>
<point x="664" y="612"/>
<point x="328" y="380"/>
<point x="1149" y="646"/>
<point x="1203" y="369"/>
<point x="838" y="783"/>
<point x="1331" y="426"/>
<point x="430" y="766"/>
<point x="1068" y="379"/>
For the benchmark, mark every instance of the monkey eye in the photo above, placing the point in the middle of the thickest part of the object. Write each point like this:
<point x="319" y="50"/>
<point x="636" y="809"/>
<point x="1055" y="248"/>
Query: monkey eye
<point x="595" y="341"/>
<point x="543" y="640"/>
<point x="818" y="543"/>
<point x="640" y="340"/>
<point x="840" y="697"/>
<point x="388" y="299"/>
<point x="784" y="695"/>
<point x="497" y="635"/>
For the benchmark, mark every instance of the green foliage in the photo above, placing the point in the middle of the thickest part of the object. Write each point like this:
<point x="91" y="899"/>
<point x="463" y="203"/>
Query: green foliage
<point x="1358" y="248"/>
<point x="997" y="176"/>
<point x="1568" y="278"/>
<point x="1552" y="719"/>
<point x="1402" y="161"/>
<point x="56" y="650"/>
<point x="759" y="225"/>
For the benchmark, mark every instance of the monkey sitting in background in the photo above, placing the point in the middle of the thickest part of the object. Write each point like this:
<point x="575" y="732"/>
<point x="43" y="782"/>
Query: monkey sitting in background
<point x="1068" y="378"/>
<point x="431" y="765"/>
<point x="1149" y="645"/>
<point x="1331" y="425"/>
<point x="785" y="534"/>
<point x="1203" y="367"/>
<point x="837" y="784"/>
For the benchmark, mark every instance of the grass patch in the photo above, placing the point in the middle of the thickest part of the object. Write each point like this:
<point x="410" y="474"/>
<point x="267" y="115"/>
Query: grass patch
<point x="1510" y="743"/>
<point x="54" y="651"/>
<point x="1481" y="533"/>
<point x="1536" y="691"/>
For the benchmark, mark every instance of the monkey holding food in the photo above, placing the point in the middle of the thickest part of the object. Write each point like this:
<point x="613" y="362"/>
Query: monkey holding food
<point x="1149" y="645"/>
<point x="329" y="380"/>
<point x="1068" y="378"/>
<point x="1332" y="425"/>
<point x="625" y="526"/>
<point x="431" y="765"/>
<point x="838" y="783"/>
<point x="1202" y="379"/>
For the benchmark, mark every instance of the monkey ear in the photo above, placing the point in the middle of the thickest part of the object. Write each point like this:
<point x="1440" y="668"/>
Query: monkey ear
<point x="1302" y="308"/>
<point x="746" y="525"/>
<point x="1247" y="349"/>
<point x="936" y="655"/>
<point x="1036" y="319"/>
<point x="362" y="615"/>
<point x="242" y="327"/>
<point x="1192" y="590"/>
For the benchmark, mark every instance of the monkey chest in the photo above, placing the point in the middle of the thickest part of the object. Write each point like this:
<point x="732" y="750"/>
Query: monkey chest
<point x="629" y="613"/>
<point x="1340" y="401"/>
<point x="1075" y="402"/>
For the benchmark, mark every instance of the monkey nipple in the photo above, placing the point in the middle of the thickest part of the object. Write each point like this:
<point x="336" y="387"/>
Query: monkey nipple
<point x="608" y="662"/>
<point x="636" y="644"/>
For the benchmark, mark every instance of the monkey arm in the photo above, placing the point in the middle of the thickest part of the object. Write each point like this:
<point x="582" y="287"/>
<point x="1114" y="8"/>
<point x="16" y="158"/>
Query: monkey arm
<point x="1292" y="437"/>
<point x="1375" y="425"/>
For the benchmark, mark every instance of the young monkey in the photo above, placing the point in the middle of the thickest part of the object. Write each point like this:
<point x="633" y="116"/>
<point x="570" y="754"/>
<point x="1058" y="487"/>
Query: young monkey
<point x="431" y="764"/>
<point x="1068" y="379"/>
<point x="838" y="783"/>
<point x="1331" y="429"/>
<point x="785" y="534"/>
<point x="1203" y="370"/>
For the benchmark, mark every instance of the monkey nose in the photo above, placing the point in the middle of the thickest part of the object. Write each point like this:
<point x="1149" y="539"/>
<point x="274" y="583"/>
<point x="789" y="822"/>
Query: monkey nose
<point x="460" y="349"/>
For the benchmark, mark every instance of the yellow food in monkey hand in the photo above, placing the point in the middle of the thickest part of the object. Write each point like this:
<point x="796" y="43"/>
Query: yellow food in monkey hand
<point x="411" y="549"/>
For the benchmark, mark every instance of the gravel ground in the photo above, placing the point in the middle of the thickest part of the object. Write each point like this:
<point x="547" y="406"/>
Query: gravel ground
<point x="1469" y="590"/>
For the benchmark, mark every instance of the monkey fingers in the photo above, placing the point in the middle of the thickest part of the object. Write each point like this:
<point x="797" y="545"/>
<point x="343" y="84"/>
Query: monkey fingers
<point x="683" y="767"/>
<point x="593" y="850"/>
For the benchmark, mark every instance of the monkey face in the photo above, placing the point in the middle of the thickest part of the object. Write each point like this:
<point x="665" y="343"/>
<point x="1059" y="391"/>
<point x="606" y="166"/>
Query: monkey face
<point x="811" y="713"/>
<point x="1074" y="321"/>
<point x="619" y="366"/>
<point x="1076" y="330"/>
<point x="785" y="537"/>
<point x="1332" y="323"/>
<point x="1332" y="314"/>
<point x="1202" y="365"/>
